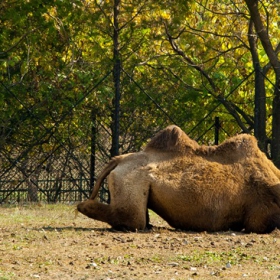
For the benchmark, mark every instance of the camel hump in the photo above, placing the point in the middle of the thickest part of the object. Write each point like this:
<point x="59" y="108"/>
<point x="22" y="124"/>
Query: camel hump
<point x="243" y="144"/>
<point x="172" y="138"/>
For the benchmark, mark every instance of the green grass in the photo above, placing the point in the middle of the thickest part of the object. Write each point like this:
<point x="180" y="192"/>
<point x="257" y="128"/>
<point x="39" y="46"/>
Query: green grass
<point x="35" y="213"/>
<point x="6" y="275"/>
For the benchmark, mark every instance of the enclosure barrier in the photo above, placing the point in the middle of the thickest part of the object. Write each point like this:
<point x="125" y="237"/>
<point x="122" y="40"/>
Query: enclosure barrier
<point x="50" y="191"/>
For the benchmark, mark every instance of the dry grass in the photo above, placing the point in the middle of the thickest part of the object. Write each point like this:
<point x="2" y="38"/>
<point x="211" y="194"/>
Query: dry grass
<point x="47" y="242"/>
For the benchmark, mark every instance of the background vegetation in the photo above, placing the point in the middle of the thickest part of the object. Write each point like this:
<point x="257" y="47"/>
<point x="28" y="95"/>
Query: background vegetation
<point x="82" y="81"/>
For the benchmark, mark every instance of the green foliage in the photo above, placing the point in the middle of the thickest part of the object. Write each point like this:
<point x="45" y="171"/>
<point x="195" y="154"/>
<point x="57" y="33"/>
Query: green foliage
<point x="53" y="52"/>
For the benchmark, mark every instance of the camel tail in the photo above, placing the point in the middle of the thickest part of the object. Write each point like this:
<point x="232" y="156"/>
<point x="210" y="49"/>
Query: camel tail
<point x="105" y="172"/>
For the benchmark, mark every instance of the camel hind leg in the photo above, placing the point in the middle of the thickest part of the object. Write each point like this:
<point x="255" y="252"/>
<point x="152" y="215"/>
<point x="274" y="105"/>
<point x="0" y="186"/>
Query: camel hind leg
<point x="263" y="218"/>
<point x="96" y="210"/>
<point x="263" y="205"/>
<point x="118" y="217"/>
<point x="128" y="204"/>
<point x="129" y="199"/>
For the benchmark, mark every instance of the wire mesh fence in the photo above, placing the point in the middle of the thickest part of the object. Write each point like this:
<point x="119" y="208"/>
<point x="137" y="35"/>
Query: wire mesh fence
<point x="57" y="176"/>
<point x="49" y="190"/>
<point x="47" y="156"/>
<point x="56" y="156"/>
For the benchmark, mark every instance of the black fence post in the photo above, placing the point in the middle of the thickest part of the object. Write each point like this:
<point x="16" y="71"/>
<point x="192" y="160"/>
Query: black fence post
<point x="217" y="129"/>
<point x="92" y="154"/>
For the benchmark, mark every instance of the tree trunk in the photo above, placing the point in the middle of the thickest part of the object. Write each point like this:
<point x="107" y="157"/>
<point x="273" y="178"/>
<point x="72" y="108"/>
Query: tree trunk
<point x="275" y="143"/>
<point x="117" y="78"/>
<point x="260" y="108"/>
<point x="263" y="35"/>
<point x="32" y="189"/>
<point x="260" y="94"/>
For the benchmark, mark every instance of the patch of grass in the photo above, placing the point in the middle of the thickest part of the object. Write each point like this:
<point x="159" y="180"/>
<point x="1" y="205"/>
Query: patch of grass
<point x="35" y="214"/>
<point x="6" y="275"/>
<point x="199" y="258"/>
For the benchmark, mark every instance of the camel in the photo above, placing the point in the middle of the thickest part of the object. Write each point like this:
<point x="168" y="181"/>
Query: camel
<point x="231" y="186"/>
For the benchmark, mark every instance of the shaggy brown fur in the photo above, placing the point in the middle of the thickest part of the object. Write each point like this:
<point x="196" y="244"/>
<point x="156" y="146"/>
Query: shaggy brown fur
<point x="229" y="186"/>
<point x="172" y="139"/>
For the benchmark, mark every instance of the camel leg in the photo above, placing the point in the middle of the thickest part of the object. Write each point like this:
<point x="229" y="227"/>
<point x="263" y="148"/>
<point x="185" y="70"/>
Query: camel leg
<point x="128" y="204"/>
<point x="263" y="218"/>
<point x="263" y="208"/>
<point x="96" y="210"/>
<point x="118" y="217"/>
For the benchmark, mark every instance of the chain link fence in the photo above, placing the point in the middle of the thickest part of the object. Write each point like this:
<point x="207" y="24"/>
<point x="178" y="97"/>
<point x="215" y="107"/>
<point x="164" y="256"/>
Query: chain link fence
<point x="47" y="157"/>
<point x="56" y="158"/>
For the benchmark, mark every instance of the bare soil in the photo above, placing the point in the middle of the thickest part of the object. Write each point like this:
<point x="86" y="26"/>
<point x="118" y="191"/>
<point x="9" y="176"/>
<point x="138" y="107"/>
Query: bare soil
<point x="48" y="242"/>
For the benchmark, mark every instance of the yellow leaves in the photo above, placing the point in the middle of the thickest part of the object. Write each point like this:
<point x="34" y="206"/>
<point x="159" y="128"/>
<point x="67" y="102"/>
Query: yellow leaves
<point x="226" y="46"/>
<point x="46" y="16"/>
<point x="214" y="19"/>
<point x="165" y="14"/>
<point x="64" y="58"/>
<point x="53" y="11"/>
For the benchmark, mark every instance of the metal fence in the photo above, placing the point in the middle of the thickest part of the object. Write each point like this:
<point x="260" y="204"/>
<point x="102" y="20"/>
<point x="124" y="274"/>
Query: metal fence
<point x="49" y="191"/>
<point x="44" y="161"/>
<point x="59" y="163"/>
<point x="57" y="181"/>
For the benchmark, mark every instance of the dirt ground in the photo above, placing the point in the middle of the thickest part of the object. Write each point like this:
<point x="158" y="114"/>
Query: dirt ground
<point x="48" y="242"/>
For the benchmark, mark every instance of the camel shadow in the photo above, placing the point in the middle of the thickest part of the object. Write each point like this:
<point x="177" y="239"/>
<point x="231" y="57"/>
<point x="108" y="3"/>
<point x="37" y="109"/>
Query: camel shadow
<point x="74" y="228"/>
<point x="154" y="229"/>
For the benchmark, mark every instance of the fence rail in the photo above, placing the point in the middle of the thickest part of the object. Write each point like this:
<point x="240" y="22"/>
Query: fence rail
<point x="50" y="190"/>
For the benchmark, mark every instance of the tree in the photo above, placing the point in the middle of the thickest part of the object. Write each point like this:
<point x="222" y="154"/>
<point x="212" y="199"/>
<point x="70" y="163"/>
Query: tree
<point x="258" y="12"/>
<point x="214" y="53"/>
<point x="211" y="41"/>
<point x="44" y="78"/>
